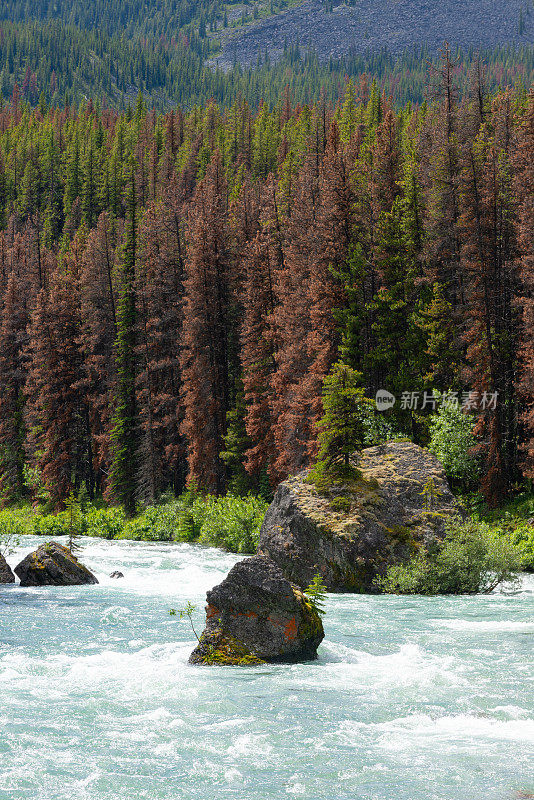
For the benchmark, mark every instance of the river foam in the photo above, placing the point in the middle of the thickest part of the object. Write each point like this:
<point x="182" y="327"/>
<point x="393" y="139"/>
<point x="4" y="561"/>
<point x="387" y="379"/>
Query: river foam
<point x="410" y="699"/>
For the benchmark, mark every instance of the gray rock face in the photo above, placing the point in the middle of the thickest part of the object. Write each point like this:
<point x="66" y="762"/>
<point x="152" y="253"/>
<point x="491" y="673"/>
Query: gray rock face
<point x="352" y="531"/>
<point x="6" y="574"/>
<point x="372" y="25"/>
<point x="257" y="615"/>
<point x="52" y="565"/>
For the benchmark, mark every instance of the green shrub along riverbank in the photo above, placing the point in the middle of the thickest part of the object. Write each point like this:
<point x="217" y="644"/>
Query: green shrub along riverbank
<point x="472" y="559"/>
<point x="229" y="522"/>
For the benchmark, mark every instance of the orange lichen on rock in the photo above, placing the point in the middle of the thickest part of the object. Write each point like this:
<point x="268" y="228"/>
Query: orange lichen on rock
<point x="291" y="629"/>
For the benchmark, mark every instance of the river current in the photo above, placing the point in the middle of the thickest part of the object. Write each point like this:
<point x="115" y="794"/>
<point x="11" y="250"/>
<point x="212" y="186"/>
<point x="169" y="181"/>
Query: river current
<point x="411" y="698"/>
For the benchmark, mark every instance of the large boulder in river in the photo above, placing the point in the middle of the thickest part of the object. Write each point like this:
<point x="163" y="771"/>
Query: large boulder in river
<point x="256" y="615"/>
<point x="6" y="575"/>
<point x="351" y="529"/>
<point x="52" y="564"/>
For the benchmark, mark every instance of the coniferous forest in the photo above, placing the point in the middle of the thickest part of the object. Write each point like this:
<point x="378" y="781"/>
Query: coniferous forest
<point x="70" y="52"/>
<point x="178" y="286"/>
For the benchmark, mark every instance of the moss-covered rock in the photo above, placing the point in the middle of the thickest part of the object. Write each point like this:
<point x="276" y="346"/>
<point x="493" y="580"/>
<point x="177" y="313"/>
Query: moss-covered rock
<point x="394" y="498"/>
<point x="52" y="564"/>
<point x="217" y="647"/>
<point x="255" y="616"/>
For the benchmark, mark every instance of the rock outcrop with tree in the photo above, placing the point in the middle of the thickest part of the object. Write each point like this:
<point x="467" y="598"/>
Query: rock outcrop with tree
<point x="52" y="564"/>
<point x="349" y="528"/>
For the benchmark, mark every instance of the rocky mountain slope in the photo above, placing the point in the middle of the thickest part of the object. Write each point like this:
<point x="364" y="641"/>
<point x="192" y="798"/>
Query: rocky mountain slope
<point x="371" y="25"/>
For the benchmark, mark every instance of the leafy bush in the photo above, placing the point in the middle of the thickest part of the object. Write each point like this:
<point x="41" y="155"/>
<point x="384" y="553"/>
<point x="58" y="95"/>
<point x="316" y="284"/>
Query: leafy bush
<point x="51" y="525"/>
<point x="233" y="523"/>
<point x="141" y="528"/>
<point x="155" y="524"/>
<point x="522" y="537"/>
<point x="167" y="522"/>
<point x="519" y="534"/>
<point x="10" y="531"/>
<point x="452" y="442"/>
<point x="472" y="558"/>
<point x="377" y="428"/>
<point x="106" y="523"/>
<point x="514" y="521"/>
<point x="188" y="526"/>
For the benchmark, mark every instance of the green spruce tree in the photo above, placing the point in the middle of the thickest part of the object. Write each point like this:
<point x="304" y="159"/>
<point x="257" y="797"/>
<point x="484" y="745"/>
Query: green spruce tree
<point x="342" y="427"/>
<point x="73" y="509"/>
<point x="316" y="592"/>
<point x="125" y="430"/>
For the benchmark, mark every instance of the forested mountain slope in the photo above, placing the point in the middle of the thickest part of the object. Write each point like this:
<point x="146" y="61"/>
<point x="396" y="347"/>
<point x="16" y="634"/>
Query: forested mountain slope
<point x="127" y="17"/>
<point x="169" y="49"/>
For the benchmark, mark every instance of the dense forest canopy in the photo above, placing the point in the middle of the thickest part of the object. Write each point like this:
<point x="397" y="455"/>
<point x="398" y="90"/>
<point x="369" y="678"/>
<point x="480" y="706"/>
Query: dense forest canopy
<point x="131" y="17"/>
<point x="176" y="288"/>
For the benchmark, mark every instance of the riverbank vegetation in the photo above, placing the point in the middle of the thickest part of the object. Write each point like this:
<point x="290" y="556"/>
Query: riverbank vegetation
<point x="233" y="523"/>
<point x="230" y="522"/>
<point x="472" y="559"/>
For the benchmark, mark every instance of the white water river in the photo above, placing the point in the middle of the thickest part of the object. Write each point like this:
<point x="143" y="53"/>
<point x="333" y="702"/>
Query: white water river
<point x="411" y="699"/>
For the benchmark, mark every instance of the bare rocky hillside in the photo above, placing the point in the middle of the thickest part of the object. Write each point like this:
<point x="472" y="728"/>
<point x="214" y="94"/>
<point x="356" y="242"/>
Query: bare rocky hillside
<point x="376" y="24"/>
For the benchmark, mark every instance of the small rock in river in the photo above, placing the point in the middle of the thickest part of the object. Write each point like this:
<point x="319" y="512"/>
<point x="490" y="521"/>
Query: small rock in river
<point x="6" y="574"/>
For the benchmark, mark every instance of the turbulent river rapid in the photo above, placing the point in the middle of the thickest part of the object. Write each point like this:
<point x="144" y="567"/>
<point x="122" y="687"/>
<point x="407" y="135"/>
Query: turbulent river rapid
<point x="411" y="698"/>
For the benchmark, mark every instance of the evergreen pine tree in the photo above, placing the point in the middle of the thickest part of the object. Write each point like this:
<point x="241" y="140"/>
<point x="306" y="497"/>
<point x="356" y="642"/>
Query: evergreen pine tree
<point x="342" y="427"/>
<point x="125" y="422"/>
